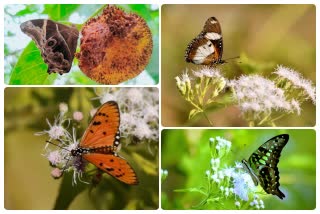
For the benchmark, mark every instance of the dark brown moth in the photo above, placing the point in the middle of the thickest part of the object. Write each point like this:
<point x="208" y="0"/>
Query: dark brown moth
<point x="57" y="43"/>
<point x="207" y="47"/>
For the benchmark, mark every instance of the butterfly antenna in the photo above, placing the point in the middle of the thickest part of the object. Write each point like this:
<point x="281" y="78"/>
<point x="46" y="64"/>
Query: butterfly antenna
<point x="57" y="145"/>
<point x="233" y="58"/>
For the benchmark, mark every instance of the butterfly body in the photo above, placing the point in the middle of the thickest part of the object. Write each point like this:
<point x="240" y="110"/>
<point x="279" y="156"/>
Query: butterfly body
<point x="56" y="42"/>
<point x="101" y="141"/>
<point x="207" y="47"/>
<point x="262" y="165"/>
<point x="101" y="150"/>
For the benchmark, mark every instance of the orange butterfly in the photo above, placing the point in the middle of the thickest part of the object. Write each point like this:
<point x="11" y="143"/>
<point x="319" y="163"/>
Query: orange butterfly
<point x="100" y="142"/>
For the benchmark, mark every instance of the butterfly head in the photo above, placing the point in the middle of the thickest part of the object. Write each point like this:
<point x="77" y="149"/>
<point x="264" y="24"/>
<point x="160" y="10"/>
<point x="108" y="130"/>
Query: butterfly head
<point x="79" y="151"/>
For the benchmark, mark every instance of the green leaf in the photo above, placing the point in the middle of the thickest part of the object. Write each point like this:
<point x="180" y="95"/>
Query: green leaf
<point x="60" y="12"/>
<point x="10" y="34"/>
<point x="150" y="167"/>
<point x="141" y="9"/>
<point x="29" y="9"/>
<point x="78" y="77"/>
<point x="67" y="192"/>
<point x="6" y="49"/>
<point x="31" y="69"/>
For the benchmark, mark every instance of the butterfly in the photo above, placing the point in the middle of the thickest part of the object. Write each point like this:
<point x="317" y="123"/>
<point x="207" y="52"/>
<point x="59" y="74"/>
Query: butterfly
<point x="56" y="42"/>
<point x="262" y="165"/>
<point x="101" y="141"/>
<point x="207" y="47"/>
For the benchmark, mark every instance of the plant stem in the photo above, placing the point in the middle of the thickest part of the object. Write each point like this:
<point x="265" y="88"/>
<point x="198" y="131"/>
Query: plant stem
<point x="195" y="105"/>
<point x="205" y="115"/>
<point x="264" y="119"/>
<point x="277" y="118"/>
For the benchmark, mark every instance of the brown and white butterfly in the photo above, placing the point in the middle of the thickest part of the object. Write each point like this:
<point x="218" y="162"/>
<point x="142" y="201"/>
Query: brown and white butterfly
<point x="207" y="47"/>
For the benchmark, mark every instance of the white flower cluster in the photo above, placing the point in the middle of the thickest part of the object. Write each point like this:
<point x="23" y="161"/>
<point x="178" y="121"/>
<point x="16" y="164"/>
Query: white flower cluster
<point x="257" y="203"/>
<point x="184" y="78"/>
<point x="260" y="100"/>
<point x="183" y="83"/>
<point x="221" y="145"/>
<point x="297" y="81"/>
<point x="202" y="89"/>
<point x="233" y="182"/>
<point x="60" y="158"/>
<point x="243" y="185"/>
<point x="139" y="111"/>
<point x="207" y="72"/>
<point x="257" y="94"/>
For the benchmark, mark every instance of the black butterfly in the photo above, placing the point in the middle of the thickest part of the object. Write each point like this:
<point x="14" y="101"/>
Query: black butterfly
<point x="207" y="47"/>
<point x="262" y="165"/>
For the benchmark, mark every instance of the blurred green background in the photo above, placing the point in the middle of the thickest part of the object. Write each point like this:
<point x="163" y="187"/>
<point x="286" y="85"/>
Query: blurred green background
<point x="186" y="156"/>
<point x="21" y="53"/>
<point x="267" y="34"/>
<point x="27" y="180"/>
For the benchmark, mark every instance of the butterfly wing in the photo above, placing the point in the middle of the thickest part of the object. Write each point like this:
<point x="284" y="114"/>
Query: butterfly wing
<point x="200" y="51"/>
<point x="214" y="34"/>
<point x="114" y="165"/>
<point x="207" y="47"/>
<point x="265" y="160"/>
<point x="57" y="42"/>
<point x="103" y="129"/>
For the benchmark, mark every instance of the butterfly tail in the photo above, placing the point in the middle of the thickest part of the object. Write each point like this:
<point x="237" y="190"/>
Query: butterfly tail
<point x="279" y="194"/>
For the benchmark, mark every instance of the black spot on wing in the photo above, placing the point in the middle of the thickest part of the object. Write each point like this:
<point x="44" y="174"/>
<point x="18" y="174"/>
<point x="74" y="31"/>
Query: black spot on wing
<point x="96" y="123"/>
<point x="120" y="175"/>
<point x="110" y="169"/>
